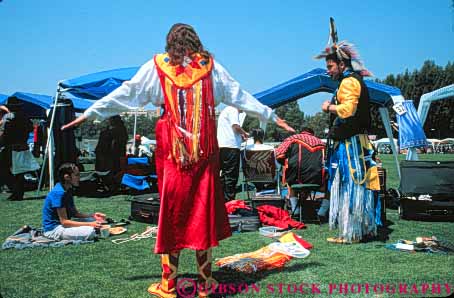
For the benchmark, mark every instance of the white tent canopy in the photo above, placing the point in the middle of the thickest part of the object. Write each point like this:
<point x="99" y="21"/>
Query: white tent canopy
<point x="428" y="98"/>
<point x="433" y="141"/>
<point x="144" y="141"/>
<point x="385" y="141"/>
<point x="423" y="109"/>
<point x="447" y="141"/>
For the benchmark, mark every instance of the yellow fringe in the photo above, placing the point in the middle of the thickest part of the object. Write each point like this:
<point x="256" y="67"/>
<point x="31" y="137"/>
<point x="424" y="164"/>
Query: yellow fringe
<point x="196" y="123"/>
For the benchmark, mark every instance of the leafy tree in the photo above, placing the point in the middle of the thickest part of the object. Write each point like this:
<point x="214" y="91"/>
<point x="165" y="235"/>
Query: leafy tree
<point x="145" y="126"/>
<point x="319" y="123"/>
<point x="290" y="112"/>
<point x="89" y="130"/>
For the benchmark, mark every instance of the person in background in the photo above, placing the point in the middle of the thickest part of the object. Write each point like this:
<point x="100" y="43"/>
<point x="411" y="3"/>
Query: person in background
<point x="190" y="83"/>
<point x="138" y="143"/>
<point x="258" y="135"/>
<point x="119" y="141"/>
<point x="230" y="135"/>
<point x="60" y="217"/>
<point x="4" y="170"/>
<point x="103" y="148"/>
<point x="302" y="156"/>
<point x="14" y="131"/>
<point x="111" y="145"/>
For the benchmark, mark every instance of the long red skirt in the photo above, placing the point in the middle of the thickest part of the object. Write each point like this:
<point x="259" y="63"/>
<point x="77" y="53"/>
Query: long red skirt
<point x="192" y="213"/>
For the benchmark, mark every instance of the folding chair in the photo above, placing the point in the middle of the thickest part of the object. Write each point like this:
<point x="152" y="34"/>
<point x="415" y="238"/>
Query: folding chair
<point x="310" y="179"/>
<point x="306" y="196"/>
<point x="260" y="166"/>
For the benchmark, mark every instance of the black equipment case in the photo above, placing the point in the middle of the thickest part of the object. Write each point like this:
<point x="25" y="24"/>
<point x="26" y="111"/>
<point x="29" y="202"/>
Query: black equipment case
<point x="427" y="190"/>
<point x="145" y="208"/>
<point x="269" y="199"/>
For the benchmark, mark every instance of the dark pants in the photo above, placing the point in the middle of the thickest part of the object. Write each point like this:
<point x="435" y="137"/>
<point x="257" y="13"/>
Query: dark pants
<point x="230" y="170"/>
<point x="14" y="182"/>
<point x="18" y="187"/>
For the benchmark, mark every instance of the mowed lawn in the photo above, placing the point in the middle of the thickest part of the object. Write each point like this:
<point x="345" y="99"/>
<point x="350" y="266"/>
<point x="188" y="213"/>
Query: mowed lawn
<point x="104" y="269"/>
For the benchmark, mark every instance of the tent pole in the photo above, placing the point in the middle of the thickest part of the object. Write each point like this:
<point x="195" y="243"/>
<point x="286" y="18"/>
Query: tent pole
<point x="412" y="154"/>
<point x="134" y="134"/>
<point x="50" y="144"/>
<point x="42" y="167"/>
<point x="386" y="122"/>
<point x="51" y="156"/>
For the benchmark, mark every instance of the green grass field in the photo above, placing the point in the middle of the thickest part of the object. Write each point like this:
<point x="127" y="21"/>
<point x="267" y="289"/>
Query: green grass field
<point x="104" y="269"/>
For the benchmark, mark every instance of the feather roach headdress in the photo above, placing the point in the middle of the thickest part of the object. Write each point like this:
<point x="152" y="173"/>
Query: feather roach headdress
<point x="344" y="51"/>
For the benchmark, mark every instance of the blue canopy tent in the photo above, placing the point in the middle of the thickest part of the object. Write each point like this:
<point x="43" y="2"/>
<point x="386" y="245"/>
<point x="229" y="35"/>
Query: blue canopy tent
<point x="92" y="86"/>
<point x="3" y="99"/>
<point x="317" y="80"/>
<point x="35" y="105"/>
<point x="97" y="85"/>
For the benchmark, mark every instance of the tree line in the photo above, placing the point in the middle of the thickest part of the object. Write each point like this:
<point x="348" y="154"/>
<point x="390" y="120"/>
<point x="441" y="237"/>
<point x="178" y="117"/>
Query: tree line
<point x="439" y="123"/>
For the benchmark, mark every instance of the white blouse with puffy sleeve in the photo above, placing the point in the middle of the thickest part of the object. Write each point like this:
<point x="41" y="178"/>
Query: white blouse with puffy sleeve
<point x="145" y="88"/>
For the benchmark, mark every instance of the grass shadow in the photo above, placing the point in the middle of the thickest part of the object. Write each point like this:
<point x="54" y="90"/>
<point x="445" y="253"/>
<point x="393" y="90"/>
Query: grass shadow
<point x="151" y="277"/>
<point x="240" y="282"/>
<point x="39" y="197"/>
<point x="384" y="231"/>
<point x="235" y="283"/>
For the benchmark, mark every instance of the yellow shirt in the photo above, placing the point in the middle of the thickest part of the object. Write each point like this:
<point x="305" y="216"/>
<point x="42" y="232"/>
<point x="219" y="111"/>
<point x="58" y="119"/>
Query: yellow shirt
<point x="347" y="97"/>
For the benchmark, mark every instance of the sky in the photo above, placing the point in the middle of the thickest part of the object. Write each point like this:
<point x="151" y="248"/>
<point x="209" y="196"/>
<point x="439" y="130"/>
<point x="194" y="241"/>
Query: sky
<point x="261" y="43"/>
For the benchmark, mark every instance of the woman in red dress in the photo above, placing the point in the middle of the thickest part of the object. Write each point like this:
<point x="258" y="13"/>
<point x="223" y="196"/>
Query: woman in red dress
<point x="189" y="83"/>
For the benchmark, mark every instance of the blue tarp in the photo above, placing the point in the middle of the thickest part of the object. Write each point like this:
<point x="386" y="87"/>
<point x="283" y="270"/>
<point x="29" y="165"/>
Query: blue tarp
<point x="411" y="133"/>
<point x="3" y="99"/>
<point x="97" y="85"/>
<point x="35" y="105"/>
<point x="138" y="161"/>
<point x="317" y="80"/>
<point x="31" y="138"/>
<point x="136" y="182"/>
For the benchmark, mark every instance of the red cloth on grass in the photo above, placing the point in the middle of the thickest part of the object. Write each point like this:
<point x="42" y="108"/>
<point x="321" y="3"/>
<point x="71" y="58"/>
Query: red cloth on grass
<point x="233" y="205"/>
<point x="274" y="216"/>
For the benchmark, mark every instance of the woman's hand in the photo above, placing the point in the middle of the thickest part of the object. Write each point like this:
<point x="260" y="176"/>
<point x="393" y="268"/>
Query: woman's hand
<point x="283" y="124"/>
<point x="74" y="123"/>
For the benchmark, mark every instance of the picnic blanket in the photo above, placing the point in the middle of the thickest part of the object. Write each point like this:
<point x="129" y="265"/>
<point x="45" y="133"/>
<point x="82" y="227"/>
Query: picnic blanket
<point x="29" y="237"/>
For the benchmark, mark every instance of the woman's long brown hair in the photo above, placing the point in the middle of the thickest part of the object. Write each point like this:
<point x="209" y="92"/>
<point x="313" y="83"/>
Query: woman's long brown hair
<point x="182" y="40"/>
